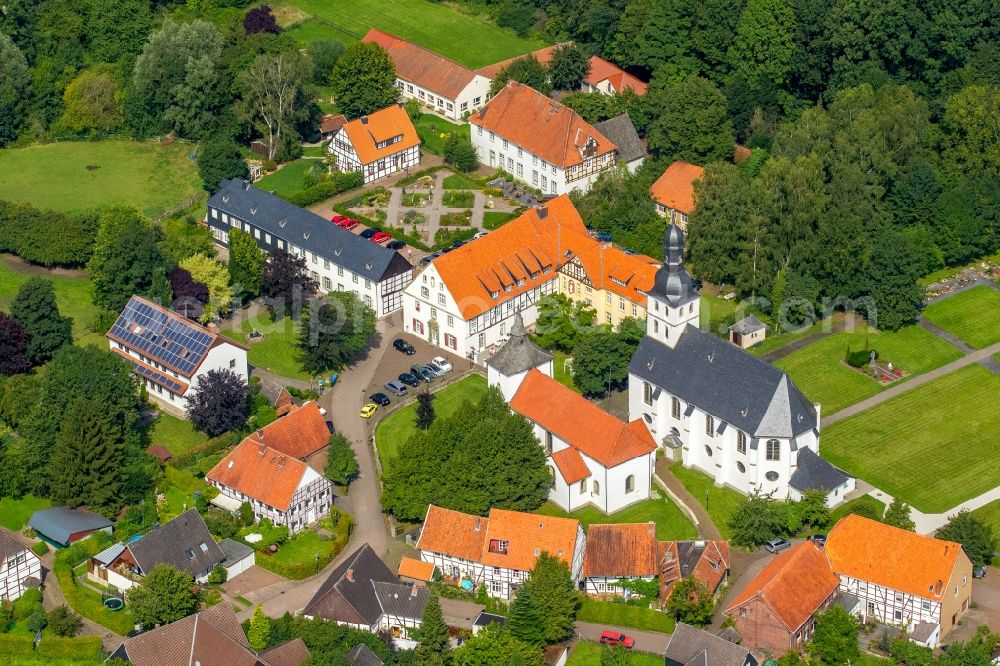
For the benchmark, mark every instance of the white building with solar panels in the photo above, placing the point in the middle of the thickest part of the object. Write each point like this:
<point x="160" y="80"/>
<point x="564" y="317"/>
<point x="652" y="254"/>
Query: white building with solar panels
<point x="170" y="353"/>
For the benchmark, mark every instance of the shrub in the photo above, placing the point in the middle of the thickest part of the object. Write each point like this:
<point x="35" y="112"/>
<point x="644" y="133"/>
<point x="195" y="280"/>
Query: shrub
<point x="40" y="548"/>
<point x="64" y="622"/>
<point x="246" y="514"/>
<point x="343" y="524"/>
<point x="218" y="575"/>
<point x="25" y="605"/>
<point x="860" y="358"/>
<point x="326" y="188"/>
<point x="46" y="237"/>
<point x="90" y="647"/>
<point x="221" y="524"/>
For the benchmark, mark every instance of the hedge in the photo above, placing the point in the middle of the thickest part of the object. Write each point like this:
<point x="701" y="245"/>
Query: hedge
<point x="326" y="188"/>
<point x="46" y="237"/>
<point x="16" y="644"/>
<point x="84" y="647"/>
<point x="301" y="570"/>
<point x="40" y="548"/>
<point x="189" y="459"/>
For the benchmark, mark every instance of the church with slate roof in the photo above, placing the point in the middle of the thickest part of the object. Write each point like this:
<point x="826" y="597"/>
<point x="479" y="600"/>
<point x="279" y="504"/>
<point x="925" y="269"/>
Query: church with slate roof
<point x="717" y="408"/>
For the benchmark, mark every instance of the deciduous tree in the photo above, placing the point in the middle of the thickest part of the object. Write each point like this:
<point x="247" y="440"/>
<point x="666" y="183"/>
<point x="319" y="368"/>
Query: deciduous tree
<point x="36" y="310"/>
<point x="690" y="602"/>
<point x="756" y="519"/>
<point x="762" y="50"/>
<point x="341" y="463"/>
<point x="115" y="31"/>
<point x="15" y="84"/>
<point x="836" y="639"/>
<point x="496" y="645"/>
<point x="568" y="67"/>
<point x="64" y="622"/>
<point x="324" y="54"/>
<point x="125" y="257"/>
<point x="554" y="596"/>
<point x="562" y="322"/>
<point x="273" y="97"/>
<point x="260" y="19"/>
<point x="14" y="341"/>
<point x="219" y="402"/>
<point x="93" y="102"/>
<point x="898" y="515"/>
<point x="165" y="595"/>
<point x="526" y="70"/>
<point x="189" y="295"/>
<point x="215" y="276"/>
<point x="689" y="121"/>
<point x="335" y="329"/>
<point x="220" y="159"/>
<point x="976" y="536"/>
<point x="971" y="136"/>
<point x="285" y="283"/>
<point x="600" y="359"/>
<point x="363" y="80"/>
<point x="246" y="264"/>
<point x="459" y="152"/>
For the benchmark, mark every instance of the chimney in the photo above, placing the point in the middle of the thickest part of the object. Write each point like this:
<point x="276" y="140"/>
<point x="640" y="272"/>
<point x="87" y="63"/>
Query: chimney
<point x="260" y="435"/>
<point x="651" y="526"/>
<point x="246" y="184"/>
<point x="349" y="575"/>
<point x="262" y="450"/>
<point x="413" y="591"/>
<point x="364" y="120"/>
<point x="543" y="211"/>
<point x="477" y="524"/>
<point x="281" y="461"/>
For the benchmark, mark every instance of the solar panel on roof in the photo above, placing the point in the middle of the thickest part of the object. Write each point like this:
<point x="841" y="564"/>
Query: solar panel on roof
<point x="161" y="337"/>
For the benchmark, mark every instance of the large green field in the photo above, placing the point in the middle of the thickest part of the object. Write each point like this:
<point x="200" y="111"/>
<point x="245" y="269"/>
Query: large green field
<point x="819" y="372"/>
<point x="463" y="36"/>
<point x="396" y="428"/>
<point x="972" y="315"/>
<point x="933" y="447"/>
<point x="84" y="175"/>
<point x="990" y="514"/>
<point x="671" y="523"/>
<point x="14" y="513"/>
<point x="73" y="294"/>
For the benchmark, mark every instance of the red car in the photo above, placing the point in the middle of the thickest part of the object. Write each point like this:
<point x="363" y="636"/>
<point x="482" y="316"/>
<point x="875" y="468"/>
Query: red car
<point x="347" y="222"/>
<point x="381" y="237"/>
<point x="616" y="638"/>
<point x="336" y="219"/>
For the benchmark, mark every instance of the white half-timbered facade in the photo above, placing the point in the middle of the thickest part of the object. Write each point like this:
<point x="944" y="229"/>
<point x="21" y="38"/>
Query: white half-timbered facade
<point x="19" y="567"/>
<point x="377" y="145"/>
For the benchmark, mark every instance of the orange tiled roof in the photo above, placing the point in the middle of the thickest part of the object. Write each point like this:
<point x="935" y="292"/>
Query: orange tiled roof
<point x="540" y="125"/>
<point x="424" y="68"/>
<point x="299" y="434"/>
<point x="526" y="245"/>
<point x="416" y="569"/>
<point x="891" y="557"/>
<point x="579" y="422"/>
<point x="261" y="473"/>
<point x="626" y="549"/>
<point x="365" y="132"/>
<point x="570" y="465"/>
<point x="601" y="70"/>
<point x="715" y="553"/>
<point x="543" y="55"/>
<point x="610" y="268"/>
<point x="453" y="533"/>
<point x="794" y="584"/>
<point x="675" y="188"/>
<point x="528" y="535"/>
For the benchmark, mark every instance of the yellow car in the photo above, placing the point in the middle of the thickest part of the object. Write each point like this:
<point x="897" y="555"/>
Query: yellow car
<point x="368" y="410"/>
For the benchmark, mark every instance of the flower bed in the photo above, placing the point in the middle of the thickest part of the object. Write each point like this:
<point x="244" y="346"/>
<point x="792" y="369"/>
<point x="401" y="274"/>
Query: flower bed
<point x="462" y="219"/>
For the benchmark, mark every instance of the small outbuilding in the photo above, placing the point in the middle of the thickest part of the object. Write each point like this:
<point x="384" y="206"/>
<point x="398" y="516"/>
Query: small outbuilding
<point x="747" y="332"/>
<point x="62" y="526"/>
<point x="239" y="557"/>
<point x="415" y="572"/>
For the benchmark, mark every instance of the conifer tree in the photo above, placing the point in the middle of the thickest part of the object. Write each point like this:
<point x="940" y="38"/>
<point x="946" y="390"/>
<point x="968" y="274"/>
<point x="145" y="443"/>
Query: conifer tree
<point x="86" y="462"/>
<point x="433" y="635"/>
<point x="35" y="309"/>
<point x="425" y="409"/>
<point x="260" y="629"/>
<point x="554" y="596"/>
<point x="525" y="621"/>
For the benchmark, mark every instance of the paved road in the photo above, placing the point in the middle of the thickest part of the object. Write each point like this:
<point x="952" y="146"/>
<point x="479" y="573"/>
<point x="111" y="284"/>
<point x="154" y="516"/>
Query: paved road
<point x="645" y="641"/>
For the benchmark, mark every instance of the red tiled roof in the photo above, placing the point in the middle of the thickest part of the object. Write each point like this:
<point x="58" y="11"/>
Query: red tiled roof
<point x="366" y="132"/>
<point x="579" y="422"/>
<point x="415" y="569"/>
<point x="424" y="68"/>
<point x="527" y="536"/>
<point x="716" y="553"/>
<point x="610" y="268"/>
<point x="261" y="473"/>
<point x="794" y="584"/>
<point x="540" y="125"/>
<point x="331" y="123"/>
<point x="675" y="188"/>
<point x="602" y="70"/>
<point x="570" y="465"/>
<point x="543" y="55"/>
<point x="625" y="549"/>
<point x="525" y="245"/>
<point x="453" y="533"/>
<point x="299" y="434"/>
<point x="892" y="557"/>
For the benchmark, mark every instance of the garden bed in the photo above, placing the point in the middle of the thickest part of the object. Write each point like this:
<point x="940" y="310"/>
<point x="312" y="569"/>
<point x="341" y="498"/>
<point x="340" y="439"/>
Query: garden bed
<point x="459" y="199"/>
<point x="458" y="219"/>
<point x="307" y="552"/>
<point x="415" y="199"/>
<point x="458" y="181"/>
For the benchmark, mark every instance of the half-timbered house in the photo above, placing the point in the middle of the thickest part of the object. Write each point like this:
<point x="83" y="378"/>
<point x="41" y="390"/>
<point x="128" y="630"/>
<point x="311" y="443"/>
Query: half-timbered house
<point x="377" y="144"/>
<point x="20" y="568"/>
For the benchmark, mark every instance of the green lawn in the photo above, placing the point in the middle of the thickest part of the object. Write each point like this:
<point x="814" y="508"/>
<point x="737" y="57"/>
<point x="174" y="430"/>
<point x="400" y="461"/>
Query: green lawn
<point x="819" y="372"/>
<point x="396" y="428"/>
<point x="73" y="294"/>
<point x="560" y="372"/>
<point x="14" y="513"/>
<point x="311" y="30"/>
<point x="849" y="507"/>
<point x="587" y="653"/>
<point x="464" y="36"/>
<point x="178" y="435"/>
<point x="775" y="341"/>
<point x="990" y="514"/>
<point x="622" y="615"/>
<point x="147" y="176"/>
<point x="719" y="502"/>
<point x="933" y="447"/>
<point x="458" y="181"/>
<point x="716" y="314"/>
<point x="973" y="315"/>
<point x="671" y="523"/>
<point x="278" y="351"/>
<point x="458" y="199"/>
<point x="303" y="549"/>
<point x="288" y="179"/>
<point x="313" y="151"/>
<point x="432" y="140"/>
<point x="495" y="220"/>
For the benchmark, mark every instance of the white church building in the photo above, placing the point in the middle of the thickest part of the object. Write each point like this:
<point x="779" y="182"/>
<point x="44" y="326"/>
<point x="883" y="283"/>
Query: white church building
<point x="732" y="416"/>
<point x="594" y="458"/>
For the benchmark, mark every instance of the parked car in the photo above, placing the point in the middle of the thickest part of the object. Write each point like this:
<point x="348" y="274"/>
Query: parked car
<point x="777" y="545"/>
<point x="442" y="362"/>
<point x="457" y="244"/>
<point x="368" y="233"/>
<point x="379" y="399"/>
<point x="603" y="236"/>
<point x="368" y="410"/>
<point x="434" y="369"/>
<point x="819" y="539"/>
<point x="402" y="345"/>
<point x="979" y="572"/>
<point x="422" y="372"/>
<point x="480" y="234"/>
<point x="395" y="245"/>
<point x="381" y="237"/>
<point x="409" y="379"/>
<point x="348" y="223"/>
<point x="395" y="387"/>
<point x="617" y="638"/>
<point x="337" y="218"/>
<point x="426" y="260"/>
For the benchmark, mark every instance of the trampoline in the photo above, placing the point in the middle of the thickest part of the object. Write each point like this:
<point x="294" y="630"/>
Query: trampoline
<point x="114" y="603"/>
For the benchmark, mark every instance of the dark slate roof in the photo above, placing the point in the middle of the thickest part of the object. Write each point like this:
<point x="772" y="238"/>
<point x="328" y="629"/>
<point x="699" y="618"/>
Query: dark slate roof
<point x="486" y="619"/>
<point x="362" y="655"/>
<point x="234" y="551"/>
<point x="174" y="542"/>
<point x="9" y="545"/>
<point x="699" y="648"/>
<point x="400" y="600"/>
<point x="518" y="354"/>
<point x="621" y="131"/>
<point x="354" y="601"/>
<point x="747" y="325"/>
<point x="922" y="631"/>
<point x="727" y="382"/>
<point x="306" y="230"/>
<point x="59" y="522"/>
<point x="673" y="284"/>
<point x="814" y="473"/>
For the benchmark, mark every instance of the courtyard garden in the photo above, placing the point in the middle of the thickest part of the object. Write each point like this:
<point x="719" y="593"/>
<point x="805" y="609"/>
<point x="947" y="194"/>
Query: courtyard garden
<point x="459" y="181"/>
<point x="458" y="198"/>
<point x="972" y="315"/>
<point x="933" y="447"/>
<point x="73" y="176"/>
<point x="822" y="373"/>
<point x="671" y="523"/>
<point x="304" y="554"/>
<point x="433" y="130"/>
<point x="399" y="426"/>
<point x="277" y="351"/>
<point x="720" y="502"/>
<point x="495" y="220"/>
<point x="289" y="179"/>
<point x="619" y="613"/>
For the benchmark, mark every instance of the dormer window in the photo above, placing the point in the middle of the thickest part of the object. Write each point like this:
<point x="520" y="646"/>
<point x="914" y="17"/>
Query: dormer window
<point x="494" y="294"/>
